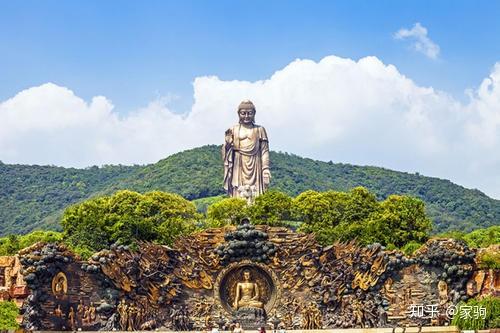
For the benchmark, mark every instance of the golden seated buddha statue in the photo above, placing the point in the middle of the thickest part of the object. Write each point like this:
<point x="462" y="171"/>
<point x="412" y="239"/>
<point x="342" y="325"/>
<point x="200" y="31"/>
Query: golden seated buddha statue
<point x="247" y="293"/>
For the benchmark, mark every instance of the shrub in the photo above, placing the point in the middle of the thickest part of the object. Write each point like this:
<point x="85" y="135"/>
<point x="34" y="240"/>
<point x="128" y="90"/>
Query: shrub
<point x="483" y="237"/>
<point x="11" y="244"/>
<point x="489" y="258"/>
<point x="411" y="247"/>
<point x="8" y="315"/>
<point x="492" y="306"/>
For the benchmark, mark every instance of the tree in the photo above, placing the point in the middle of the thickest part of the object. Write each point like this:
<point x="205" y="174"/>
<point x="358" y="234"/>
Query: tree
<point x="323" y="211"/>
<point x="271" y="208"/>
<point x="360" y="205"/>
<point x="313" y="208"/>
<point x="340" y="216"/>
<point x="86" y="225"/>
<point x="126" y="217"/>
<point x="228" y="211"/>
<point x="401" y="220"/>
<point x="169" y="215"/>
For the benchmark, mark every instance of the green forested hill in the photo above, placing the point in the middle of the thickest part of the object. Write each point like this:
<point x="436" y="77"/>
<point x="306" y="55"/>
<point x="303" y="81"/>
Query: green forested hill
<point x="33" y="196"/>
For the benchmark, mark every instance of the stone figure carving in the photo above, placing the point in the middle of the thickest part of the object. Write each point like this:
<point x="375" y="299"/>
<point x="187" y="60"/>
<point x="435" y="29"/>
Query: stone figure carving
<point x="86" y="315"/>
<point x="71" y="319"/>
<point x="80" y="311"/>
<point x="311" y="317"/>
<point x="247" y="293"/>
<point x="472" y="287"/>
<point x="92" y="312"/>
<point x="132" y="317"/>
<point x="89" y="313"/>
<point x="443" y="292"/>
<point x="246" y="156"/>
<point x="58" y="311"/>
<point x="303" y="284"/>
<point x="60" y="285"/>
<point x="123" y="312"/>
<point x="180" y="318"/>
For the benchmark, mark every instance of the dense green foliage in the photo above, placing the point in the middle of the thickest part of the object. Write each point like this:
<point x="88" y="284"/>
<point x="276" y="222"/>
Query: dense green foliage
<point x="8" y="314"/>
<point x="483" y="237"/>
<point x="33" y="197"/>
<point x="202" y="204"/>
<point x="194" y="174"/>
<point x="333" y="216"/>
<point x="225" y="212"/>
<point x="411" y="247"/>
<point x="489" y="258"/>
<point x="157" y="216"/>
<point x="9" y="245"/>
<point x="401" y="220"/>
<point x="125" y="217"/>
<point x="477" y="238"/>
<point x="342" y="216"/>
<point x="468" y="322"/>
<point x="272" y="207"/>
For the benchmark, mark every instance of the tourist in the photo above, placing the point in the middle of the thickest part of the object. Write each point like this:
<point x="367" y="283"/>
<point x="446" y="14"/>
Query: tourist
<point x="262" y="329"/>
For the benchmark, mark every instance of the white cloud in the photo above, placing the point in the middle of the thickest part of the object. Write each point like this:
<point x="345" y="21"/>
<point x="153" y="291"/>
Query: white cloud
<point x="422" y="43"/>
<point x="361" y="112"/>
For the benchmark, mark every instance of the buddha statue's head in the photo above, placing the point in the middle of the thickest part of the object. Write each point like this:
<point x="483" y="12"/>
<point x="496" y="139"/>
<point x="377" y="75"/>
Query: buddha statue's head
<point x="247" y="275"/>
<point x="246" y="112"/>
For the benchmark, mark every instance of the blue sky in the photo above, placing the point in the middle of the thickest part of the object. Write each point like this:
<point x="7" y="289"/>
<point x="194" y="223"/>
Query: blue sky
<point x="131" y="51"/>
<point x="407" y="85"/>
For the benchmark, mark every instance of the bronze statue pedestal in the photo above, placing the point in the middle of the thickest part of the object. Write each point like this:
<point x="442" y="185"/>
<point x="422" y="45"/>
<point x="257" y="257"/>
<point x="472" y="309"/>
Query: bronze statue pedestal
<point x="250" y="318"/>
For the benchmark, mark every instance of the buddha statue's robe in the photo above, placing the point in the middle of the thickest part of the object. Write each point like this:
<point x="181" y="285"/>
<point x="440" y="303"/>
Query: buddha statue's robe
<point x="247" y="296"/>
<point x="245" y="157"/>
